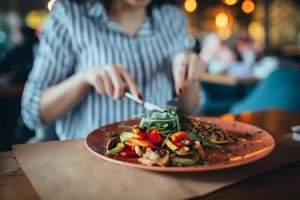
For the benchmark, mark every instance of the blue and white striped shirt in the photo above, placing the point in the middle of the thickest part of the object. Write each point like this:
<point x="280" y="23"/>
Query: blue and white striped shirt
<point x="78" y="36"/>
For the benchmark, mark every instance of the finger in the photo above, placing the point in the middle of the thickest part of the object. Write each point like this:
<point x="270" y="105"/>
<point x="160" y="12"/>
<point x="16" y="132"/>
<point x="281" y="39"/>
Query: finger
<point x="194" y="69"/>
<point x="94" y="79"/>
<point x="180" y="73"/>
<point x="129" y="81"/>
<point x="108" y="86"/>
<point x="181" y="84"/>
<point x="118" y="83"/>
<point x="98" y="84"/>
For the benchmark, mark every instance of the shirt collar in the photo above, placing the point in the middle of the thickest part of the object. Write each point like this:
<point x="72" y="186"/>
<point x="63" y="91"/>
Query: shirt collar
<point x="96" y="10"/>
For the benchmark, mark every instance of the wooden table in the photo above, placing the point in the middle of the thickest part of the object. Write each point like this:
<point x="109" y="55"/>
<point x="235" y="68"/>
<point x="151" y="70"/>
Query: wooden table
<point x="279" y="183"/>
<point x="289" y="50"/>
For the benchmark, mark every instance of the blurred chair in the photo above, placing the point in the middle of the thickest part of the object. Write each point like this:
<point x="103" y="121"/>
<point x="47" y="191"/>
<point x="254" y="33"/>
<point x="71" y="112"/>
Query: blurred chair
<point x="218" y="98"/>
<point x="279" y="90"/>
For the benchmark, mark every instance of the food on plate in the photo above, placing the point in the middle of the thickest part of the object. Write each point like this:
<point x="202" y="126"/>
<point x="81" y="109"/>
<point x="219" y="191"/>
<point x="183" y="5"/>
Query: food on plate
<point x="169" y="138"/>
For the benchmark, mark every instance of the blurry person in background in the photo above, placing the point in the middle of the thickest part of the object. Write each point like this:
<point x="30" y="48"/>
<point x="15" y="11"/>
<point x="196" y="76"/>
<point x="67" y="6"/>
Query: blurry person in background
<point x="18" y="61"/>
<point x="91" y="52"/>
<point x="216" y="54"/>
<point x="245" y="50"/>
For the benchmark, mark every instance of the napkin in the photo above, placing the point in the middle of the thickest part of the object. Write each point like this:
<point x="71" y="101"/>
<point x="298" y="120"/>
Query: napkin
<point x="67" y="170"/>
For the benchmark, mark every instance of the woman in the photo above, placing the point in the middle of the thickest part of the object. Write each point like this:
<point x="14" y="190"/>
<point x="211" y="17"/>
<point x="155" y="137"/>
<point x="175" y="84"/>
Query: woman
<point x="91" y="52"/>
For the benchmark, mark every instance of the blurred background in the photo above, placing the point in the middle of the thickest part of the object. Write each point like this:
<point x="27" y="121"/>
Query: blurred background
<point x="272" y="24"/>
<point x="242" y="41"/>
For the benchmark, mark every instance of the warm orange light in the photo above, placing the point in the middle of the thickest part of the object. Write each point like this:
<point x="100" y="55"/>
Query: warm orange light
<point x="228" y="117"/>
<point x="35" y="18"/>
<point x="248" y="6"/>
<point x="230" y="2"/>
<point x="246" y="116"/>
<point x="190" y="5"/>
<point x="257" y="32"/>
<point x="224" y="33"/>
<point x="221" y="20"/>
<point x="252" y="154"/>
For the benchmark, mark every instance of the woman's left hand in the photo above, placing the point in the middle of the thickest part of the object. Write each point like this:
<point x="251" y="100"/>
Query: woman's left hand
<point x="188" y="68"/>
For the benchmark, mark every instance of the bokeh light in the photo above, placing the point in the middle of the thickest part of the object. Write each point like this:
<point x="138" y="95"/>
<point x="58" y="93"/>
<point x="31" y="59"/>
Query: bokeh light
<point x="257" y="32"/>
<point x="248" y="6"/>
<point x="36" y="18"/>
<point x="225" y="33"/>
<point x="256" y="29"/>
<point x="230" y="2"/>
<point x="221" y="20"/>
<point x="228" y="117"/>
<point x="190" y="5"/>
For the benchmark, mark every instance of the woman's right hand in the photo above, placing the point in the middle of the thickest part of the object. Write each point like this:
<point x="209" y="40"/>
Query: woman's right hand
<point x="113" y="80"/>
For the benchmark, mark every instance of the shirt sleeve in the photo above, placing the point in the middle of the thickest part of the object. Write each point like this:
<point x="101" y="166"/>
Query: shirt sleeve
<point x="53" y="63"/>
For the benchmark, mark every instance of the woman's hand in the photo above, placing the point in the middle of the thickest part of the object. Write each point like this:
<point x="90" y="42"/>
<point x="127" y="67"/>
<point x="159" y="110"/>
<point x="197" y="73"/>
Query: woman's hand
<point x="113" y="80"/>
<point x="187" y="69"/>
<point x="60" y="98"/>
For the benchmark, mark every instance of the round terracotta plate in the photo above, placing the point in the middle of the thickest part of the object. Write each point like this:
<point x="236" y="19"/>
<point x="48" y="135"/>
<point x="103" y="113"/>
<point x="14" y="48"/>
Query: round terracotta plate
<point x="254" y="145"/>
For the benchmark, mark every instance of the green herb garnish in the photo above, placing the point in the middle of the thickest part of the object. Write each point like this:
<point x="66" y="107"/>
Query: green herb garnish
<point x="165" y="122"/>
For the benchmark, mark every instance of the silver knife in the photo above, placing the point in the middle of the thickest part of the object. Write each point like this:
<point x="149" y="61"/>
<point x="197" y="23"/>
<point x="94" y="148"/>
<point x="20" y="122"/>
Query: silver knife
<point x="147" y="105"/>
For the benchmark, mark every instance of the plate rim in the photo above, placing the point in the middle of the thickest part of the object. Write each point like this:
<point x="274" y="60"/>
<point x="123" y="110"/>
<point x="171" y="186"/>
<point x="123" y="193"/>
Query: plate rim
<point x="195" y="168"/>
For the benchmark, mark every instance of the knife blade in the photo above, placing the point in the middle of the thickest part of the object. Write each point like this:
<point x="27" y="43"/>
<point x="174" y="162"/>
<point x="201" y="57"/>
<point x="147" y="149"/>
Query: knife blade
<point x="146" y="104"/>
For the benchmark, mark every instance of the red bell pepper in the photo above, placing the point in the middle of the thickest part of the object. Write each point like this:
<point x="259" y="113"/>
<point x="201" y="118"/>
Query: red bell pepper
<point x="128" y="153"/>
<point x="180" y="135"/>
<point x="179" y="144"/>
<point x="129" y="144"/>
<point x="142" y="135"/>
<point x="141" y="143"/>
<point x="155" y="137"/>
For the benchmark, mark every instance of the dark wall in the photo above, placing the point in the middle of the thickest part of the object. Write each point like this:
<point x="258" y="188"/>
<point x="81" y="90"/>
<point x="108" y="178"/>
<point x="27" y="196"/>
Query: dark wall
<point x="26" y="5"/>
<point x="22" y="6"/>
